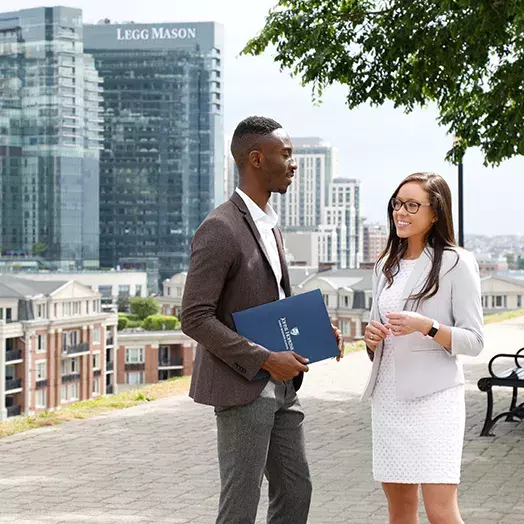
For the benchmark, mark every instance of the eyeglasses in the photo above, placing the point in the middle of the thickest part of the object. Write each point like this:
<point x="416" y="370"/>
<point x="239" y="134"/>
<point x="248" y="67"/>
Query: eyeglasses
<point x="411" y="206"/>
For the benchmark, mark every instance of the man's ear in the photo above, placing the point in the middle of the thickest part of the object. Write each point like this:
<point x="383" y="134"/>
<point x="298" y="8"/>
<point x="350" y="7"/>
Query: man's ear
<point x="255" y="158"/>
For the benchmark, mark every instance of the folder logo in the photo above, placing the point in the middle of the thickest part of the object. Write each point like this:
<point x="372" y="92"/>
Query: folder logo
<point x="295" y="331"/>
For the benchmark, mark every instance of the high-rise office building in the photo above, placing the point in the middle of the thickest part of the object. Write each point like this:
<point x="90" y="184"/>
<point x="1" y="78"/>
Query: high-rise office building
<point x="374" y="241"/>
<point x="302" y="207"/>
<point x="162" y="167"/>
<point x="342" y="216"/>
<point x="50" y="138"/>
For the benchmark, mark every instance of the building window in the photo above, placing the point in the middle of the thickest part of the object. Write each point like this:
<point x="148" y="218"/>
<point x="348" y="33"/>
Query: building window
<point x="41" y="343"/>
<point x="96" y="335"/>
<point x="168" y="291"/>
<point x="41" y="398"/>
<point x="63" y="367"/>
<point x="138" y="290"/>
<point x="8" y="314"/>
<point x="74" y="366"/>
<point x="87" y="307"/>
<point x="505" y="301"/>
<point x="41" y="311"/>
<point x="56" y="310"/>
<point x="41" y="370"/>
<point x="134" y="355"/>
<point x="73" y="391"/>
<point x="498" y="301"/>
<point x="96" y="360"/>
<point x="345" y="327"/>
<point x="135" y="379"/>
<point x="76" y="308"/>
<point x="96" y="386"/>
<point x="63" y="392"/>
<point x="519" y="301"/>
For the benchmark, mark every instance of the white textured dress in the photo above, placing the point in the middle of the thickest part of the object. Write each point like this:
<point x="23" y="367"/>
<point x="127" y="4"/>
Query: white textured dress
<point x="416" y="441"/>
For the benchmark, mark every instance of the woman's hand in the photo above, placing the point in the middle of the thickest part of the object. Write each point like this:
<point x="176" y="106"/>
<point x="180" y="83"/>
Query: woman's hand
<point x="407" y="322"/>
<point x="374" y="334"/>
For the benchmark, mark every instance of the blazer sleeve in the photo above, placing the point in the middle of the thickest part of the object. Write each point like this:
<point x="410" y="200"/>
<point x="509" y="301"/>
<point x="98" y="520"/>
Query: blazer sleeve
<point x="213" y="255"/>
<point x="467" y="333"/>
<point x="374" y="288"/>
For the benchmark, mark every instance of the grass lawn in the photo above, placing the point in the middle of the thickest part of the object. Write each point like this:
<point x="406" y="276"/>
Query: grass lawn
<point x="97" y="406"/>
<point x="507" y="315"/>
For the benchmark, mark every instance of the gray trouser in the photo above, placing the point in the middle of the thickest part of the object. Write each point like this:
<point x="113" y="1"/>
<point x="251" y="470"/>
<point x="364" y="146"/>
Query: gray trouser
<point x="264" y="437"/>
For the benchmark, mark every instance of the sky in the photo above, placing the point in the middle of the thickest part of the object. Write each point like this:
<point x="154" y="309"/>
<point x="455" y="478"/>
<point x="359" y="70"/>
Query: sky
<point x="378" y="146"/>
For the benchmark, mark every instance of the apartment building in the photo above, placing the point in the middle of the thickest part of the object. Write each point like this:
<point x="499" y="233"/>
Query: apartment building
<point x="56" y="345"/>
<point x="171" y="300"/>
<point x="148" y="357"/>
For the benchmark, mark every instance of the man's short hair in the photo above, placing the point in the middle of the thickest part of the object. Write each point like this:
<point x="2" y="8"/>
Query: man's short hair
<point x="247" y="136"/>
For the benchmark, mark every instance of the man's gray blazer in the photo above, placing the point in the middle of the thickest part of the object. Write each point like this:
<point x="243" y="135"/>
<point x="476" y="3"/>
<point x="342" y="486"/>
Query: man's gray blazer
<point x="229" y="271"/>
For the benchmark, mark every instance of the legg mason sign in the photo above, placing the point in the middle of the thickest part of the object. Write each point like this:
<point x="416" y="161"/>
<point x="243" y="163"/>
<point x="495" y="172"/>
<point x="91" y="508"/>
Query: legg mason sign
<point x="157" y="33"/>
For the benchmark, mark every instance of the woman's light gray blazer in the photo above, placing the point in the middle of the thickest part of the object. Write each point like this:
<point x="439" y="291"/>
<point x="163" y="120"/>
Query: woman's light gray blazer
<point x="422" y="366"/>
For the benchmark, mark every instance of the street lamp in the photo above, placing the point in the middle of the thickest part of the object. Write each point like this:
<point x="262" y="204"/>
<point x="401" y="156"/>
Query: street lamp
<point x="460" y="199"/>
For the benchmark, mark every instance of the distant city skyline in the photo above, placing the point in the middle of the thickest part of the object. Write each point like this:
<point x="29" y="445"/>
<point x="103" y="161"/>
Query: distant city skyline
<point x="379" y="146"/>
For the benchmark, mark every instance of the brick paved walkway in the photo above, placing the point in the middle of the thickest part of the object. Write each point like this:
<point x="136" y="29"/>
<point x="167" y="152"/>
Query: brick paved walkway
<point x="156" y="463"/>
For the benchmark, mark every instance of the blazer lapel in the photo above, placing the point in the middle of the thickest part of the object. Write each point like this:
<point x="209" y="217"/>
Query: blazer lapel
<point x="286" y="285"/>
<point x="415" y="279"/>
<point x="417" y="274"/>
<point x="237" y="200"/>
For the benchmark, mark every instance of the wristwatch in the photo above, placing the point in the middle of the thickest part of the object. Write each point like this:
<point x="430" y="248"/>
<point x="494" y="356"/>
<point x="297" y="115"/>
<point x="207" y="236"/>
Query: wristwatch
<point x="434" y="329"/>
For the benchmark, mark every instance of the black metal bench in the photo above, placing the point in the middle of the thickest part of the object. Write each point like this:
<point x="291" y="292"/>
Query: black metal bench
<point x="511" y="378"/>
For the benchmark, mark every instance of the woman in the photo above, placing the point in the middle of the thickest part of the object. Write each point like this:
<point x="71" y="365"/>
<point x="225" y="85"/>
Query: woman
<point x="426" y="311"/>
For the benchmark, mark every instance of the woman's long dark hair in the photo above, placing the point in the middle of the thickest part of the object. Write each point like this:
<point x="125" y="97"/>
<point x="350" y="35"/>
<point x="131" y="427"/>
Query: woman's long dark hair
<point x="440" y="237"/>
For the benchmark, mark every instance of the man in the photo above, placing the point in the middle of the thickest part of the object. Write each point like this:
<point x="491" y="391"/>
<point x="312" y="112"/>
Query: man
<point x="237" y="262"/>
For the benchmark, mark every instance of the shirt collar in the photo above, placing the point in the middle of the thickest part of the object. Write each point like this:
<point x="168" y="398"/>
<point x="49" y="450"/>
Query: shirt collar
<point x="268" y="217"/>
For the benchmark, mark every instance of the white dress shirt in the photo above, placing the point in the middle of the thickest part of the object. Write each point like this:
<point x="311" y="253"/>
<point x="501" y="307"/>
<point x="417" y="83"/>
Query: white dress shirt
<point x="265" y="221"/>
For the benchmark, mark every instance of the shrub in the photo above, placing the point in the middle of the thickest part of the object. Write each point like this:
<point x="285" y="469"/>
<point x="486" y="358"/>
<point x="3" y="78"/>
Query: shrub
<point x="160" y="323"/>
<point x="122" y="322"/>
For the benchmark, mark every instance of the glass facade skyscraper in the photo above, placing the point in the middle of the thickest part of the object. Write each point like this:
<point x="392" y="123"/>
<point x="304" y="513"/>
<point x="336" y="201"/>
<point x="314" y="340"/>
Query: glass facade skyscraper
<point x="162" y="165"/>
<point x="50" y="138"/>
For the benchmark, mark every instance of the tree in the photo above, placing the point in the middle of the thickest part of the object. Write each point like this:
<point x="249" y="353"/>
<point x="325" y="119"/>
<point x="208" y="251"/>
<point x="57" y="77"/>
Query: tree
<point x="143" y="307"/>
<point x="39" y="248"/>
<point x="466" y="56"/>
<point x="123" y="303"/>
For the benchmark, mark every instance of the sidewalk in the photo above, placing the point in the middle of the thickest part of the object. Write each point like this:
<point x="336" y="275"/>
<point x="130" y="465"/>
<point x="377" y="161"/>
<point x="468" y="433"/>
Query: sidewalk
<point x="156" y="463"/>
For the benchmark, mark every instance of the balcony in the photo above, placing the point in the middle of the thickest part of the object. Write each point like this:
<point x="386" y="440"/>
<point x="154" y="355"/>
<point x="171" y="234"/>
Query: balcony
<point x="173" y="362"/>
<point x="135" y="367"/>
<point x="73" y="377"/>
<point x="109" y="366"/>
<point x="12" y="384"/>
<point x="75" y="349"/>
<point x="13" y="354"/>
<point x="41" y="384"/>
<point x="14" y="411"/>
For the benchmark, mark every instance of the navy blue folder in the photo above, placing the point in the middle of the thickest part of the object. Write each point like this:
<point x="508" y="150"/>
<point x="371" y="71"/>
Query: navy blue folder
<point x="299" y="323"/>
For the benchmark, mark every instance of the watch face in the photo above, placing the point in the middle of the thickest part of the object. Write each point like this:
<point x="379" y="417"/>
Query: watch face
<point x="432" y="332"/>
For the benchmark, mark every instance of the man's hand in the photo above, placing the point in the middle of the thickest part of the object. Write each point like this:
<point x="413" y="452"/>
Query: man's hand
<point x="340" y="342"/>
<point x="285" y="365"/>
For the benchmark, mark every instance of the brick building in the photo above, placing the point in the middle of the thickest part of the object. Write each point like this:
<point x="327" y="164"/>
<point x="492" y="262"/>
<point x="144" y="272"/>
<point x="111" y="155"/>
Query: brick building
<point x="56" y="345"/>
<point x="148" y="357"/>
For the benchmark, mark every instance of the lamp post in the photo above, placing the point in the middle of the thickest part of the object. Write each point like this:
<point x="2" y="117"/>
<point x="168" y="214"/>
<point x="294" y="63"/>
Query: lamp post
<point x="461" y="204"/>
<point x="460" y="198"/>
